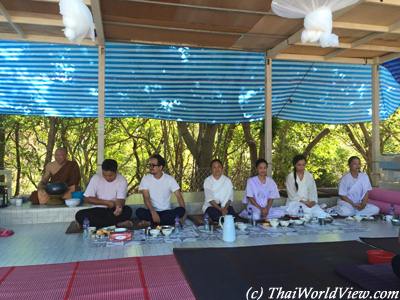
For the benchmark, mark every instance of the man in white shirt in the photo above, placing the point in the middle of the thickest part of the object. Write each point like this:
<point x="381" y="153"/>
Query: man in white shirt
<point x="157" y="188"/>
<point x="107" y="192"/>
<point x="218" y="193"/>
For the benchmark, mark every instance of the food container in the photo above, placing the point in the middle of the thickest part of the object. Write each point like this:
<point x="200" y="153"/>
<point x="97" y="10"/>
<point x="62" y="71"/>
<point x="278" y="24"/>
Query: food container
<point x="121" y="237"/>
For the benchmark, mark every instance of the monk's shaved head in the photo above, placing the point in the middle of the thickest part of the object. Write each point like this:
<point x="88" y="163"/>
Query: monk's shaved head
<point x="62" y="149"/>
<point x="61" y="155"/>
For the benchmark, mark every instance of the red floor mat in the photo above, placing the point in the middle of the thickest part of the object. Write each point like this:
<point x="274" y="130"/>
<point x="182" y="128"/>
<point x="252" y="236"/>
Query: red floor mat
<point x="153" y="277"/>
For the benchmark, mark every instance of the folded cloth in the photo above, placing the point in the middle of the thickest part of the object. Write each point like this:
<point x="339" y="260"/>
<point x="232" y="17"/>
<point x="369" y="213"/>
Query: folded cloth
<point x="6" y="232"/>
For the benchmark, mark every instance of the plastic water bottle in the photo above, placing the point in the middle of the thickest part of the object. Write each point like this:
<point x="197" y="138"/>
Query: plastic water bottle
<point x="206" y="222"/>
<point x="177" y="224"/>
<point x="391" y="210"/>
<point x="250" y="215"/>
<point x="86" y="225"/>
<point x="252" y="218"/>
<point x="300" y="213"/>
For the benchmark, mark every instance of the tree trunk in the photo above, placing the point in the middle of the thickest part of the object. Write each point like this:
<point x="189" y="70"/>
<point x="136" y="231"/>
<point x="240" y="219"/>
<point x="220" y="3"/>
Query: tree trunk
<point x="315" y="141"/>
<point x="18" y="159"/>
<point x="201" y="149"/>
<point x="251" y="143"/>
<point x="51" y="140"/>
<point x="225" y="146"/>
<point x="362" y="146"/>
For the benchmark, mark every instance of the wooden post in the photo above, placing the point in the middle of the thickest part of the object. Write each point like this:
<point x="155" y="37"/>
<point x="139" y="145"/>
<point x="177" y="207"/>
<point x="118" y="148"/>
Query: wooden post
<point x="100" y="112"/>
<point x="376" y="155"/>
<point x="268" y="114"/>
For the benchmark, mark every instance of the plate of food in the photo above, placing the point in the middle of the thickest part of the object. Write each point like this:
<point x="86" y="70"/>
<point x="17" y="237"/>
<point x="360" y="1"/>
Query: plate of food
<point x="124" y="236"/>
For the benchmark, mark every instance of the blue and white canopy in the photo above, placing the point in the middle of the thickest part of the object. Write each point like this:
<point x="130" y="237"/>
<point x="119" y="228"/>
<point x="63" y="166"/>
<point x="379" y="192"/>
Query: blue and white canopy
<point x="184" y="84"/>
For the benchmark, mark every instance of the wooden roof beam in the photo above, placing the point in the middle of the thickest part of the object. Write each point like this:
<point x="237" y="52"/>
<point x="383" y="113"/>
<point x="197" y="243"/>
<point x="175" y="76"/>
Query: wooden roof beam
<point x="384" y="2"/>
<point x="34" y="19"/>
<point x="355" y="44"/>
<point x="205" y="7"/>
<point x="366" y="47"/>
<point x="366" y="39"/>
<point x="7" y="17"/>
<point x="42" y="39"/>
<point x="87" y="2"/>
<point x="321" y="58"/>
<point x="157" y="27"/>
<point x="98" y="21"/>
<point x="385" y="58"/>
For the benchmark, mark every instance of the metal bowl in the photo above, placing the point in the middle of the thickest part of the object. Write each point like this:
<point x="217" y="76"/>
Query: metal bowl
<point x="56" y="188"/>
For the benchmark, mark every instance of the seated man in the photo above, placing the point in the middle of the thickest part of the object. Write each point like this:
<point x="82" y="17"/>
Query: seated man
<point x="218" y="193"/>
<point x="353" y="192"/>
<point x="157" y="188"/>
<point x="107" y="192"/>
<point x="59" y="171"/>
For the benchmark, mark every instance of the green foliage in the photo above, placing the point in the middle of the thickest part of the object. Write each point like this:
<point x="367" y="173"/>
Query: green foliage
<point x="131" y="141"/>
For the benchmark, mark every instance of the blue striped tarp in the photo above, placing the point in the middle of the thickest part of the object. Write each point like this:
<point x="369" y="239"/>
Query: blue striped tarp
<point x="393" y="67"/>
<point x="184" y="84"/>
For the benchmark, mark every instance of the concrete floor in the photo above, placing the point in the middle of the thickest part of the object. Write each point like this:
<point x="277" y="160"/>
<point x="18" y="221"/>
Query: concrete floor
<point x="47" y="243"/>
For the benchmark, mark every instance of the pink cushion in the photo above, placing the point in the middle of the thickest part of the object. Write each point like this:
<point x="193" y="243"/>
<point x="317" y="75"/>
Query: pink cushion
<point x="389" y="196"/>
<point x="384" y="207"/>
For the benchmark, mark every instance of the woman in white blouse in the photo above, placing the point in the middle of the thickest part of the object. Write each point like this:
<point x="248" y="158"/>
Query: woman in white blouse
<point x="218" y="192"/>
<point x="302" y="190"/>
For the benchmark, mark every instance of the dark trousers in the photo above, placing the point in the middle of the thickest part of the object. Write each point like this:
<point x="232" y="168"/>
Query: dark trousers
<point x="167" y="217"/>
<point x="214" y="213"/>
<point x="102" y="216"/>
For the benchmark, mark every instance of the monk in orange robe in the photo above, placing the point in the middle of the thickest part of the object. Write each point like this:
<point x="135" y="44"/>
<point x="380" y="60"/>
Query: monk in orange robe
<point x="61" y="170"/>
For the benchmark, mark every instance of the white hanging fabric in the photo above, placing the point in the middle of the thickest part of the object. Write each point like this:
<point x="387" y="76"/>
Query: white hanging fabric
<point x="317" y="16"/>
<point x="77" y="19"/>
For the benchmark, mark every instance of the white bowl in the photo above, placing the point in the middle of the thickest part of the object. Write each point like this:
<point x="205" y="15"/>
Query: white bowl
<point x="241" y="226"/>
<point x="120" y="229"/>
<point x="284" y="223"/>
<point x="358" y="218"/>
<point x="299" y="222"/>
<point x="167" y="231"/>
<point x="73" y="202"/>
<point x="388" y="218"/>
<point x="274" y="223"/>
<point x="154" y="232"/>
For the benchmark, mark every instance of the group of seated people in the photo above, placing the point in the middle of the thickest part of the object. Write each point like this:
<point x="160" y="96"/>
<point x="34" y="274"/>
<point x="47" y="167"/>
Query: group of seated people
<point x="107" y="193"/>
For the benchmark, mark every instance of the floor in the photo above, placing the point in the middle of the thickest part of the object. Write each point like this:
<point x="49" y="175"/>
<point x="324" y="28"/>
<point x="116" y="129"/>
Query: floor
<point x="47" y="243"/>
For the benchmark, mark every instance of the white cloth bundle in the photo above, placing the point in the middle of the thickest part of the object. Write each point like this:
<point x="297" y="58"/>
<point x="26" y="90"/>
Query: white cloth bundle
<point x="317" y="16"/>
<point x="77" y="19"/>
